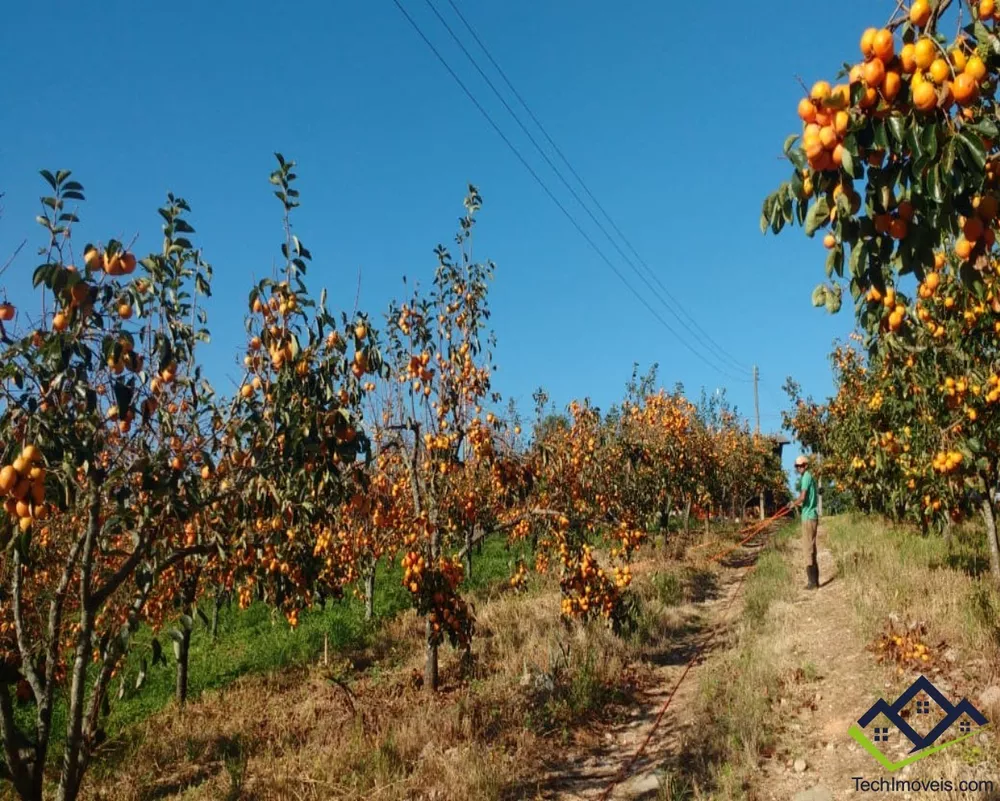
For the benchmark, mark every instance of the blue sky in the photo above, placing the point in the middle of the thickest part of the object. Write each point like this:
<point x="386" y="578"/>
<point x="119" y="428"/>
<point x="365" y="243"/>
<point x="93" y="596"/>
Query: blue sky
<point x="677" y="130"/>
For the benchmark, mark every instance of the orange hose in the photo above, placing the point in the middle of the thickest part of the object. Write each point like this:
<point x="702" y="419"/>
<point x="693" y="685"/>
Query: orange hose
<point x="756" y="526"/>
<point x="753" y="532"/>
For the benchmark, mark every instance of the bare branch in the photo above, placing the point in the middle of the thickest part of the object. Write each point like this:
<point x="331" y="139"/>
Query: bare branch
<point x="13" y="256"/>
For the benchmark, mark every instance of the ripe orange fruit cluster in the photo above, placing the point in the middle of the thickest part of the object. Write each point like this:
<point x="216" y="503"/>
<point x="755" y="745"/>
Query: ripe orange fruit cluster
<point x="825" y="121"/>
<point x="114" y="263"/>
<point x="931" y="504"/>
<point x="933" y="77"/>
<point x="929" y="285"/>
<point x="947" y="462"/>
<point x="520" y="577"/>
<point x="128" y="359"/>
<point x="978" y="234"/>
<point x="23" y="482"/>
<point x="587" y="590"/>
<point x="418" y="372"/>
<point x="413" y="571"/>
<point x="896" y="310"/>
<point x="952" y="387"/>
<point x="7" y="312"/>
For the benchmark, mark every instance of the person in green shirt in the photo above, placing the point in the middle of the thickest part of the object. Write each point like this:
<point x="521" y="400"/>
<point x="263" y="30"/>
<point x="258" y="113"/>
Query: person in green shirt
<point x="810" y="519"/>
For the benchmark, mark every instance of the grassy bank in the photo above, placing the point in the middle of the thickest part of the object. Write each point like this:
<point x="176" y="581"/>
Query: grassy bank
<point x="895" y="572"/>
<point x="259" y="641"/>
<point x="535" y="689"/>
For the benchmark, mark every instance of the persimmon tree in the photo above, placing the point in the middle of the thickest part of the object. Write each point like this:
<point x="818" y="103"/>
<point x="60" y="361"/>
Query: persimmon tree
<point x="99" y="395"/>
<point x="298" y="421"/>
<point x="658" y="426"/>
<point x="438" y="349"/>
<point x="898" y="164"/>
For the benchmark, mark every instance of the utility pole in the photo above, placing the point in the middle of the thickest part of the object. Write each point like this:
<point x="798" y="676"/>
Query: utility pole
<point x="756" y="414"/>
<point x="756" y="398"/>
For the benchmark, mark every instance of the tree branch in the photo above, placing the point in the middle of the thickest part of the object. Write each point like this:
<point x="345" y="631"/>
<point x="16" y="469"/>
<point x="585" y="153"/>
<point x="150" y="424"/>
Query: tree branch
<point x="27" y="658"/>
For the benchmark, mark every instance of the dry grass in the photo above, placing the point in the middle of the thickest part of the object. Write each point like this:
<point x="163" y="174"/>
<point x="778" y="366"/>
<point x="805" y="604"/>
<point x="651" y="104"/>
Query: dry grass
<point x="894" y="573"/>
<point x="362" y="730"/>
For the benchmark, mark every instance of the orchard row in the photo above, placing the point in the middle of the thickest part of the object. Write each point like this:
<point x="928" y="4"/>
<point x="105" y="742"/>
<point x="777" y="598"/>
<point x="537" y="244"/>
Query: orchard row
<point x="132" y="489"/>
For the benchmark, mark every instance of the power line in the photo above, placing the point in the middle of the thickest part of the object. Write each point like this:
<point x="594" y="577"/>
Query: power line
<point x="561" y="177"/>
<point x="711" y="343"/>
<point x="552" y="197"/>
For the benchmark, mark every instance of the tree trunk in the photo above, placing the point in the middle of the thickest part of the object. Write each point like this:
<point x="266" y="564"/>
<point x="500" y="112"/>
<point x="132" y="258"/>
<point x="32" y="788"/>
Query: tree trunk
<point x="26" y="780"/>
<point x="370" y="593"/>
<point x="69" y="784"/>
<point x="708" y="517"/>
<point x="184" y="644"/>
<point x="72" y="767"/>
<point x="183" y="652"/>
<point x="991" y="537"/>
<point x="469" y="532"/>
<point x="431" y="663"/>
<point x="216" y="608"/>
<point x="666" y="519"/>
<point x="819" y="502"/>
<point x="687" y="515"/>
<point x="762" y="514"/>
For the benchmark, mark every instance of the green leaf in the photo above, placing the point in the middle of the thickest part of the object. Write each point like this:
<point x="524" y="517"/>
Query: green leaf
<point x="833" y="300"/>
<point x="819" y="214"/>
<point x="880" y="139"/>
<point x="786" y="208"/>
<point x="983" y="35"/>
<point x="43" y="274"/>
<point x="935" y="186"/>
<point x="948" y="157"/>
<point x="819" y="295"/>
<point x="858" y="262"/>
<point x="847" y="162"/>
<point x="973" y="145"/>
<point x="897" y="127"/>
<point x="794" y="154"/>
<point x="984" y="127"/>
<point x="929" y="141"/>
<point x="50" y="179"/>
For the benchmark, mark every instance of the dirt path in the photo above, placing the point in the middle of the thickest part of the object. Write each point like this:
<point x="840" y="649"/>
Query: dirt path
<point x="829" y="679"/>
<point x="834" y="681"/>
<point x="586" y="774"/>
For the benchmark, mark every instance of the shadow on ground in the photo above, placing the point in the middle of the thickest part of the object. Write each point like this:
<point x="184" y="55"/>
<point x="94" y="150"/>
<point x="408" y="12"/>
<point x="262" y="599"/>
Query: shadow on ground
<point x="671" y="753"/>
